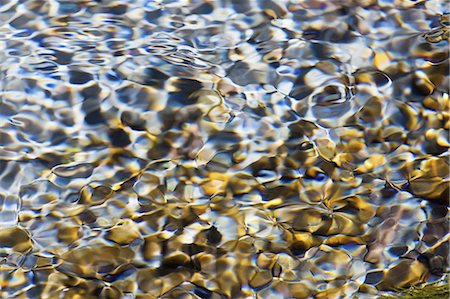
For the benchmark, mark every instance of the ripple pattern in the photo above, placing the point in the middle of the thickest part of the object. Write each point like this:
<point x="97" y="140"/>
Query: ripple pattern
<point x="223" y="149"/>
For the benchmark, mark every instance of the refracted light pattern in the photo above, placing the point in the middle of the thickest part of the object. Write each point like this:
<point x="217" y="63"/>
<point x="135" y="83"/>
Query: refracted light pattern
<point x="222" y="149"/>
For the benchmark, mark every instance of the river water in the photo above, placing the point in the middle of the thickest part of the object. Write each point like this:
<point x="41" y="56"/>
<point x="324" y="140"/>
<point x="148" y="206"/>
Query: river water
<point x="223" y="149"/>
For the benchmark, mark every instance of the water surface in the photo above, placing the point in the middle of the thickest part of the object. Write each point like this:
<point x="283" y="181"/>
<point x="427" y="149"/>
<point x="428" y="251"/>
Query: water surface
<point x="222" y="149"/>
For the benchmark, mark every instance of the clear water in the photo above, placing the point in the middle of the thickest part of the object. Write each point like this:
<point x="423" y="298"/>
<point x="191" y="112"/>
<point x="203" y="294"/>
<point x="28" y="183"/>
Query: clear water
<point x="223" y="149"/>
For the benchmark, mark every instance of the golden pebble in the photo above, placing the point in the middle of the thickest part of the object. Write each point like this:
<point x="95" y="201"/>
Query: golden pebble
<point x="382" y="59"/>
<point x="403" y="275"/>
<point x="15" y="238"/>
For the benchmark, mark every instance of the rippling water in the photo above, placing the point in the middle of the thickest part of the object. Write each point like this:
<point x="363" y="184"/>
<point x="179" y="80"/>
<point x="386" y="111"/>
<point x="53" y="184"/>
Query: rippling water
<point x="223" y="149"/>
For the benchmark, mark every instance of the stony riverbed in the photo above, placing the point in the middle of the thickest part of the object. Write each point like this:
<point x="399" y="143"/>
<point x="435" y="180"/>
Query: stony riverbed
<point x="223" y="149"/>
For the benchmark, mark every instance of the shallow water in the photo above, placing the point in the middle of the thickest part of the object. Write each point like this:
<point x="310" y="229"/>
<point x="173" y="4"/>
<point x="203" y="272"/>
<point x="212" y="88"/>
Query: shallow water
<point x="222" y="149"/>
